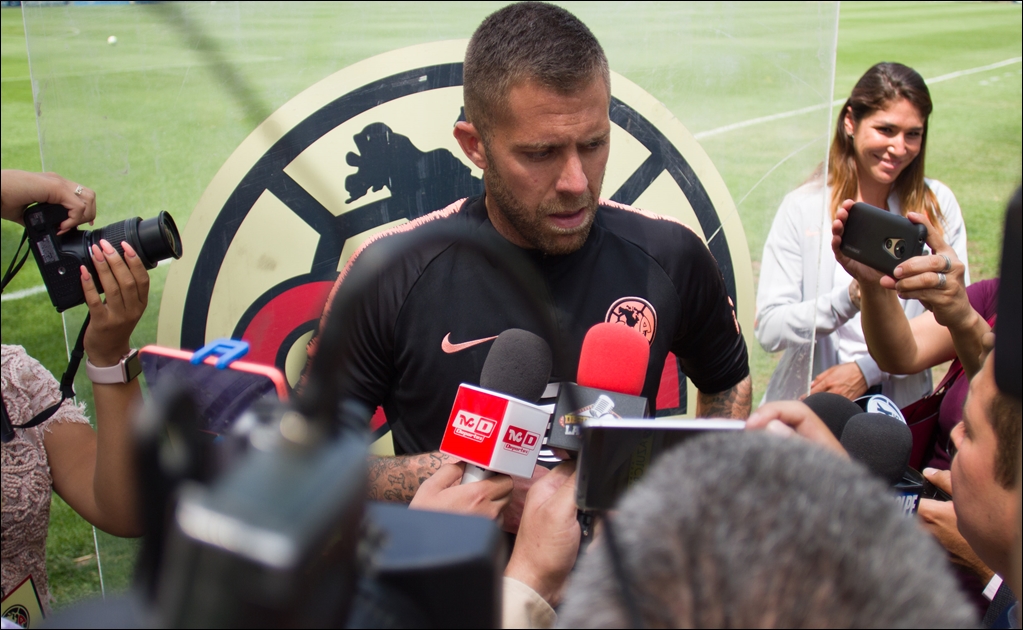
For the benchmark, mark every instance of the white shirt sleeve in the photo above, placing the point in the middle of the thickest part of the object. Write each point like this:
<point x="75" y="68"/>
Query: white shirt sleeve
<point x="785" y="316"/>
<point x="524" y="608"/>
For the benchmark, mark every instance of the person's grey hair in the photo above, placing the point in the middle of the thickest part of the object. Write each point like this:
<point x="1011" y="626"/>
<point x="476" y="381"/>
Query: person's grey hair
<point x="528" y="40"/>
<point x="746" y="530"/>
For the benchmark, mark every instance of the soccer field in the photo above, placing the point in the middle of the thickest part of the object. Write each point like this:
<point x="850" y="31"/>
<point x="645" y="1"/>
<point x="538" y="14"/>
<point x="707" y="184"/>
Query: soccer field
<point x="149" y="121"/>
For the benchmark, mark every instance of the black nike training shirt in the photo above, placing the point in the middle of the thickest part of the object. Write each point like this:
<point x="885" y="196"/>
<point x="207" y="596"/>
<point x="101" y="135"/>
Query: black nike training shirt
<point x="427" y="323"/>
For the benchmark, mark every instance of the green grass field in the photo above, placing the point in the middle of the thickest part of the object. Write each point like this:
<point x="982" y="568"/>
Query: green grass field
<point x="147" y="123"/>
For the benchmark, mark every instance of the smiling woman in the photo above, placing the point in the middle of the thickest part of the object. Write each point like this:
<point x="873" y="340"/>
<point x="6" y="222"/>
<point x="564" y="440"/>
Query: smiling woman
<point x="877" y="157"/>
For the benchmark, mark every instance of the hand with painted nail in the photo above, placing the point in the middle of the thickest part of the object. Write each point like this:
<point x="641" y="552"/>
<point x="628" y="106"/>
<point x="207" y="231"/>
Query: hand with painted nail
<point x="938" y="280"/>
<point x="794" y="418"/>
<point x="125" y="282"/>
<point x="19" y="189"/>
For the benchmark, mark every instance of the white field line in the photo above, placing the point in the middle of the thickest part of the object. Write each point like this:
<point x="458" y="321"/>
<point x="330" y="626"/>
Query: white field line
<point x="153" y="68"/>
<point x="41" y="288"/>
<point x="813" y="108"/>
<point x="24" y="293"/>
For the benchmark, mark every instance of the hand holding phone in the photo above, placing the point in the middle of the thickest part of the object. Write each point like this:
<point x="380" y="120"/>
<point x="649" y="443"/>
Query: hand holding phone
<point x="880" y="239"/>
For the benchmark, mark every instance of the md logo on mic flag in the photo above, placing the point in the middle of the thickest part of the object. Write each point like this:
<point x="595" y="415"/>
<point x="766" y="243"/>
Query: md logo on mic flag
<point x="494" y="431"/>
<point x="369" y="148"/>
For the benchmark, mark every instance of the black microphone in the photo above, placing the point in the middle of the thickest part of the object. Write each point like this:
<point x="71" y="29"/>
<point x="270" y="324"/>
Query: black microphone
<point x="518" y="364"/>
<point x="879" y="442"/>
<point x="495" y="427"/>
<point x="833" y="409"/>
<point x="884" y="444"/>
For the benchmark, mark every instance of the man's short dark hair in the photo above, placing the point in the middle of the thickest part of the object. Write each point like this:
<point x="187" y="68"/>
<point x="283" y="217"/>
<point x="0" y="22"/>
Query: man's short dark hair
<point x="749" y="530"/>
<point x="527" y="41"/>
<point x="1006" y="415"/>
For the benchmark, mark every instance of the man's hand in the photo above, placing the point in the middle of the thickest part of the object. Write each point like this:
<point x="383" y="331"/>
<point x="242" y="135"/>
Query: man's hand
<point x="787" y="418"/>
<point x="731" y="403"/>
<point x="845" y="380"/>
<point x="939" y="518"/>
<point x="512" y="515"/>
<point x="19" y="189"/>
<point x="548" y="540"/>
<point x="443" y="492"/>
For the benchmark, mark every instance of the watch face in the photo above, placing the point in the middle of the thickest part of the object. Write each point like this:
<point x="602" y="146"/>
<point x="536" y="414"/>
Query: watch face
<point x="132" y="366"/>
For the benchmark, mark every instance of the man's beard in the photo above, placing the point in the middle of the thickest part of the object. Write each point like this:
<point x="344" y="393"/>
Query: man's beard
<point x="532" y="224"/>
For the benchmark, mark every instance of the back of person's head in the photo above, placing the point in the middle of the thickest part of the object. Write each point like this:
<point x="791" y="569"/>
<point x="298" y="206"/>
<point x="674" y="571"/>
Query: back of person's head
<point x="750" y="530"/>
<point x="880" y="87"/>
<point x="527" y="41"/>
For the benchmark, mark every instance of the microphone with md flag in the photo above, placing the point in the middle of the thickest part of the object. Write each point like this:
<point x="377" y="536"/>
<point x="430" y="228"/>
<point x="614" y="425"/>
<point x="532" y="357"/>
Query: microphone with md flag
<point x="496" y="427"/>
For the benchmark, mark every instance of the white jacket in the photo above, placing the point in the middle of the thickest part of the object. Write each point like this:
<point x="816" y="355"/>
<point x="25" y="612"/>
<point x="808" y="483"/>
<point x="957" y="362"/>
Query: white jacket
<point x="798" y="265"/>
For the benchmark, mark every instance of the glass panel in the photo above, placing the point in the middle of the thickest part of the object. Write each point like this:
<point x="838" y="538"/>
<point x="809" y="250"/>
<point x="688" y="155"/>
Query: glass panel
<point x="721" y="108"/>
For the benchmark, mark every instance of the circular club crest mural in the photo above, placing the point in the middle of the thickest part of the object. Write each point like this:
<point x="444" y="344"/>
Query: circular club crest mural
<point x="369" y="148"/>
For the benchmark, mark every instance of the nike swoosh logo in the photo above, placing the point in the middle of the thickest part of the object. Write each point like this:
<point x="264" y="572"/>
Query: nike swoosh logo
<point x="451" y="348"/>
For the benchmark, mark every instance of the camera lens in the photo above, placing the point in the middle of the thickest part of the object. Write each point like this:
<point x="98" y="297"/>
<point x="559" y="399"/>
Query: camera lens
<point x="159" y="239"/>
<point x="153" y="239"/>
<point x="888" y="243"/>
<point x="900" y="250"/>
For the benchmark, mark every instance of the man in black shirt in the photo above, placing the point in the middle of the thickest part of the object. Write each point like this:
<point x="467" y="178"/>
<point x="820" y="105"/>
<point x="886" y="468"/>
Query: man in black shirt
<point x="537" y="94"/>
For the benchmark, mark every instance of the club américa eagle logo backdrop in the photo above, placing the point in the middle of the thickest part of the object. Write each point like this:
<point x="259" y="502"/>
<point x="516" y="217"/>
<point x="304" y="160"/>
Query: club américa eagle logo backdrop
<point x="369" y="148"/>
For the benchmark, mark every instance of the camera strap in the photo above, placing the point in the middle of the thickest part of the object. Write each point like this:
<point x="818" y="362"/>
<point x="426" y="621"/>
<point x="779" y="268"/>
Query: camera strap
<point x="67" y="382"/>
<point x="16" y="265"/>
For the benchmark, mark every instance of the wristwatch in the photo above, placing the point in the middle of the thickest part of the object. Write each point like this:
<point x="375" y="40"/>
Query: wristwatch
<point x="124" y="371"/>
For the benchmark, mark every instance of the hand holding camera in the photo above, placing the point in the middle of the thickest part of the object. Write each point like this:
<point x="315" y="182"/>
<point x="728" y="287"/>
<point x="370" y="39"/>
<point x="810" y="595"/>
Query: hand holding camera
<point x="937" y="280"/>
<point x="22" y="188"/>
<point x="126" y="284"/>
<point x="59" y="254"/>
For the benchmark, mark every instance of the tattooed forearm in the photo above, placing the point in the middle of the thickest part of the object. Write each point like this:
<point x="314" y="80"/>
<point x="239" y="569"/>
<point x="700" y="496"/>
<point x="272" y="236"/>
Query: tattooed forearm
<point x="397" y="478"/>
<point x="731" y="403"/>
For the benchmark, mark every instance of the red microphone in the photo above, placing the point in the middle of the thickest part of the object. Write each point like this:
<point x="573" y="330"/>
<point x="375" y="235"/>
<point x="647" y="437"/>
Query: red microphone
<point x="614" y="357"/>
<point x="612" y="370"/>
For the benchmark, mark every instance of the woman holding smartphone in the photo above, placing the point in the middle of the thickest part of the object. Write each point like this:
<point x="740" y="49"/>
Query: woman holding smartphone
<point x="877" y="157"/>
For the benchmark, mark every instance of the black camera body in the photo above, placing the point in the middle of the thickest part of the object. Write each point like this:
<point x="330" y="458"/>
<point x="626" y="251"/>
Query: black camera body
<point x="59" y="256"/>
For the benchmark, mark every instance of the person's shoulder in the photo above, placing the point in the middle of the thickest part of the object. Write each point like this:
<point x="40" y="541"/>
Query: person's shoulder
<point x="671" y="244"/>
<point x="9" y="350"/>
<point x="809" y="196"/>
<point x="983" y="296"/>
<point x="420" y="239"/>
<point x="642" y="226"/>
<point x="16" y="358"/>
<point x="944" y="194"/>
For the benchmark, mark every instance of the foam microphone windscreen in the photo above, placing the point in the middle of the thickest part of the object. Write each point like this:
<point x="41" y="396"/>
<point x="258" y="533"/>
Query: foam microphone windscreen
<point x="614" y="357"/>
<point x="881" y="443"/>
<point x="518" y="364"/>
<point x="833" y="409"/>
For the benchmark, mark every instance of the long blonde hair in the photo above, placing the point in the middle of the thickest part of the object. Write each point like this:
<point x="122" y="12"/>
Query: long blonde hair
<point x="878" y="88"/>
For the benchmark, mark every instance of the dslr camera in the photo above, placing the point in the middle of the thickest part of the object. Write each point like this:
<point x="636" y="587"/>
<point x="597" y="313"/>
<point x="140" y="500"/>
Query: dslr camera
<point x="60" y="256"/>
